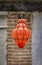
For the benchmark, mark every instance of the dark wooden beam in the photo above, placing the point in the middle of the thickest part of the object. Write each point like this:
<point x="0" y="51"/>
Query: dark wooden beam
<point x="20" y="0"/>
<point x="21" y="6"/>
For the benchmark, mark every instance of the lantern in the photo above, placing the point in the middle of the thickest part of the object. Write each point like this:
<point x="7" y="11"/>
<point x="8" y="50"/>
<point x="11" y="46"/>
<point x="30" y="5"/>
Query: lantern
<point x="21" y="33"/>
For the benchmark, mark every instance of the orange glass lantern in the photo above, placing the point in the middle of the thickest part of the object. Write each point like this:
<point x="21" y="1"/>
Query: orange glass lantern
<point x="21" y="33"/>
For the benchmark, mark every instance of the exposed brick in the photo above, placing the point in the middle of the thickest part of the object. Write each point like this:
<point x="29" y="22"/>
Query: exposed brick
<point x="15" y="55"/>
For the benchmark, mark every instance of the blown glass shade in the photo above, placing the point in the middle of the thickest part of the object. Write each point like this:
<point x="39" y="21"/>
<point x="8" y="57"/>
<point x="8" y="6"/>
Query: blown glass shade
<point x="21" y="33"/>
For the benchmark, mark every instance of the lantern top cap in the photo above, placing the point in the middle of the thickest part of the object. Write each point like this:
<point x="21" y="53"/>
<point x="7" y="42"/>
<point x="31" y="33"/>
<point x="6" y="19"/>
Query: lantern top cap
<point x="21" y="21"/>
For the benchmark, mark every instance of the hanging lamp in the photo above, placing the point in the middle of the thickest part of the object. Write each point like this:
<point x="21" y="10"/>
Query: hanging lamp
<point x="21" y="33"/>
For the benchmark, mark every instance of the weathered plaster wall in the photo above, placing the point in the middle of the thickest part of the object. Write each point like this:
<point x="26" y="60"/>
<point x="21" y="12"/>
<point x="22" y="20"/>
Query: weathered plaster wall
<point x="3" y="37"/>
<point x="37" y="39"/>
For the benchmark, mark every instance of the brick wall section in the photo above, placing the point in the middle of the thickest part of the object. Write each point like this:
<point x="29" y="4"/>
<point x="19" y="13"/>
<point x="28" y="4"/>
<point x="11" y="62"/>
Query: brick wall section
<point x="15" y="55"/>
